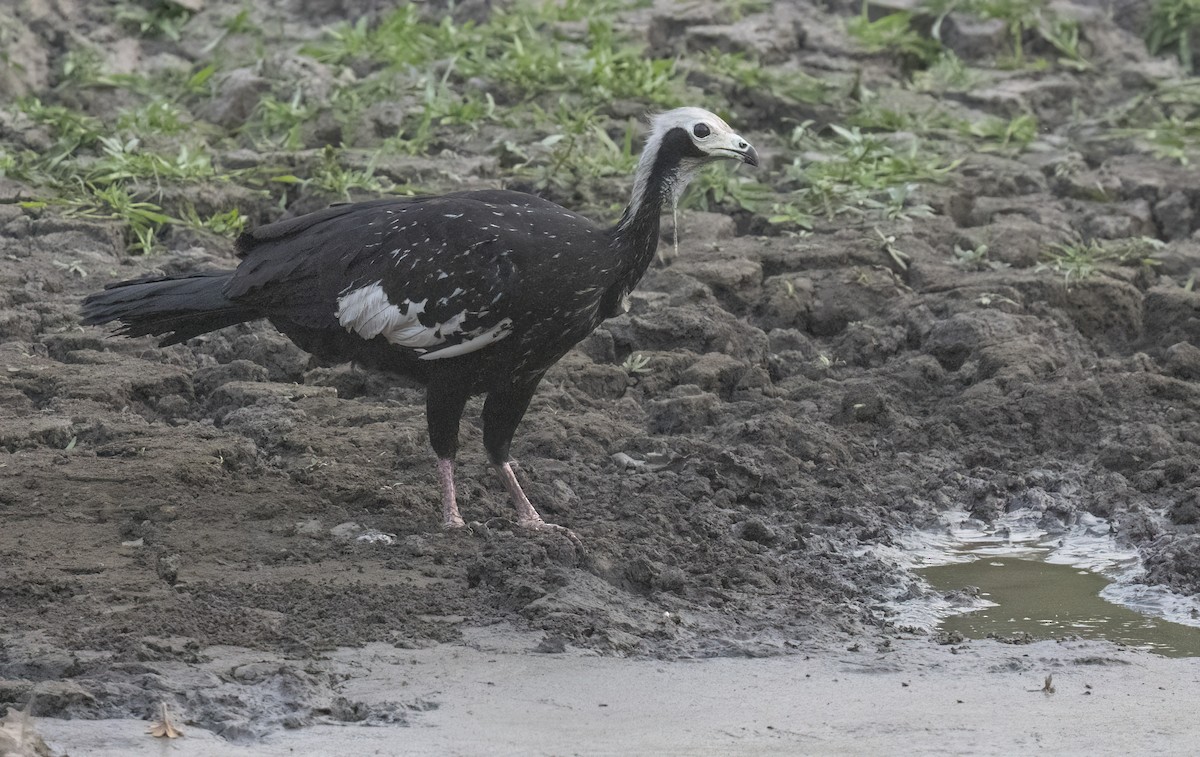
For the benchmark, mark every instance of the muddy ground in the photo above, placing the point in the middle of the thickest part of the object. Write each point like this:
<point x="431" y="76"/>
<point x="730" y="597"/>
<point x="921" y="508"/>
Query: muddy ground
<point x="485" y="697"/>
<point x="807" y="396"/>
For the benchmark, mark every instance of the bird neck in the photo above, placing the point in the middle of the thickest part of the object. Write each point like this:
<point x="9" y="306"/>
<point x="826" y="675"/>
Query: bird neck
<point x="663" y="173"/>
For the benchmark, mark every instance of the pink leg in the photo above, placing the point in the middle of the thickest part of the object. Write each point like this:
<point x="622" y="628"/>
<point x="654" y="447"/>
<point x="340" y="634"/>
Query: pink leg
<point x="450" y="516"/>
<point x="527" y="516"/>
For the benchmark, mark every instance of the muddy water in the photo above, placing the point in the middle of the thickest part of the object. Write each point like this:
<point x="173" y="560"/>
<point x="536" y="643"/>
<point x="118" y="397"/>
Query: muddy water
<point x="1050" y="601"/>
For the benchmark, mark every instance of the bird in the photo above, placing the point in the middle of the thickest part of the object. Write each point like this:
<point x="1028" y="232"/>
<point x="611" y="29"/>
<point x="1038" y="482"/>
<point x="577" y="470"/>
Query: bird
<point x="471" y="292"/>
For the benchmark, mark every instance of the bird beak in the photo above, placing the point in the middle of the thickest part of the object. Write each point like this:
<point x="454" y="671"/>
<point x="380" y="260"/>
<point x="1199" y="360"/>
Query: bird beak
<point x="750" y="156"/>
<point x="736" y="148"/>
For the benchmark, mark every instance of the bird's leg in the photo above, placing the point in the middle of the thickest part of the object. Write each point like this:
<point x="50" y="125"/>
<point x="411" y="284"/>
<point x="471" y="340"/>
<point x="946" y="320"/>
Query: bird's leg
<point x="444" y="403"/>
<point x="502" y="412"/>
<point x="527" y="516"/>
<point x="450" y="515"/>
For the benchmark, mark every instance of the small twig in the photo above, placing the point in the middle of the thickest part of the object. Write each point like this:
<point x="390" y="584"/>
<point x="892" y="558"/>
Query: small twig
<point x="1047" y="687"/>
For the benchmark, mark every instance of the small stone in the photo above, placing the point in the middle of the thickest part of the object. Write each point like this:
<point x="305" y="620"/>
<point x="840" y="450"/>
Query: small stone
<point x="564" y="491"/>
<point x="1183" y="360"/>
<point x="372" y="536"/>
<point x="863" y="404"/>
<point x="310" y="527"/>
<point x="950" y="637"/>
<point x="756" y="531"/>
<point x="715" y="372"/>
<point x="347" y="530"/>
<point x="1175" y="216"/>
<point x="167" y="568"/>
<point x="628" y="463"/>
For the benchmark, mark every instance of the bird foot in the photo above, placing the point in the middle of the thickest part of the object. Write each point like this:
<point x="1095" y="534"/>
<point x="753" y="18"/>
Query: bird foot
<point x="527" y="516"/>
<point x="537" y="524"/>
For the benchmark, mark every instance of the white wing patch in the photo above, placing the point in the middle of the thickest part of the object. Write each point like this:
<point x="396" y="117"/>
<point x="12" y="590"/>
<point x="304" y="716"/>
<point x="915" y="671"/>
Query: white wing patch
<point x="494" y="334"/>
<point x="368" y="313"/>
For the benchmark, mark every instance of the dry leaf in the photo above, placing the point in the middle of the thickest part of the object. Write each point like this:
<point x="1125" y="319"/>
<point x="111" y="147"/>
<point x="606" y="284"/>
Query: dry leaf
<point x="164" y="728"/>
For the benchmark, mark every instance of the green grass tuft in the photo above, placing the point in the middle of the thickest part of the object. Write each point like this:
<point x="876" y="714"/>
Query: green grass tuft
<point x="1172" y="26"/>
<point x="1080" y="260"/>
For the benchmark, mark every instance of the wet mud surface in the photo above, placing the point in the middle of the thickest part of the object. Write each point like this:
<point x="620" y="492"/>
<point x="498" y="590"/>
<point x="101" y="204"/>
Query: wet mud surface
<point x="806" y="396"/>
<point x="987" y="699"/>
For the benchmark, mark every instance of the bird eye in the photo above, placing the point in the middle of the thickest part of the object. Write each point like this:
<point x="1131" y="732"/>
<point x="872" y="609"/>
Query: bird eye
<point x="701" y="130"/>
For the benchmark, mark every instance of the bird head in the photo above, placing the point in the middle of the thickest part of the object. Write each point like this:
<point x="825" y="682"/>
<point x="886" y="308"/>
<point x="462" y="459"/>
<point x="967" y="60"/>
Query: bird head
<point x="698" y="137"/>
<point x="681" y="142"/>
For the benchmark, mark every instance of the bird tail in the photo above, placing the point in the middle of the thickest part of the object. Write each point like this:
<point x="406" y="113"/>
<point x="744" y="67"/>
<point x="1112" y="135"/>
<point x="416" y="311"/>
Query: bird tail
<point x="179" y="307"/>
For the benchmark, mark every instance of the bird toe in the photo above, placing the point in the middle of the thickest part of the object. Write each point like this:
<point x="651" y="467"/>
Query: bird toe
<point x="531" y="524"/>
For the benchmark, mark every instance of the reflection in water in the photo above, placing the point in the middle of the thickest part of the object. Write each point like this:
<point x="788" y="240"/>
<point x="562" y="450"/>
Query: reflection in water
<point x="1050" y="601"/>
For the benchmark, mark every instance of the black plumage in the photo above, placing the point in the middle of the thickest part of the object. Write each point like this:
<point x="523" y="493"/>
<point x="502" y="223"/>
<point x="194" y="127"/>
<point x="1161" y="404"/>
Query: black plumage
<point x="469" y="292"/>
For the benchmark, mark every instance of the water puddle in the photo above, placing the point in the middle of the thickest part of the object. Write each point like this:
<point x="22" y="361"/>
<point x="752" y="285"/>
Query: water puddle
<point x="1048" y="601"/>
<point x="1028" y="583"/>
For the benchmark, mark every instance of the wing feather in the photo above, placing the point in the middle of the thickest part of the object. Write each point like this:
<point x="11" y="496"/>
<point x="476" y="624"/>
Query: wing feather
<point x="440" y="276"/>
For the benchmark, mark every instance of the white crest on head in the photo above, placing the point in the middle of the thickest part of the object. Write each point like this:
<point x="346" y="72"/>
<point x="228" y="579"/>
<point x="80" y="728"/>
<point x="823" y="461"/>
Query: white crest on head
<point x="684" y="118"/>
